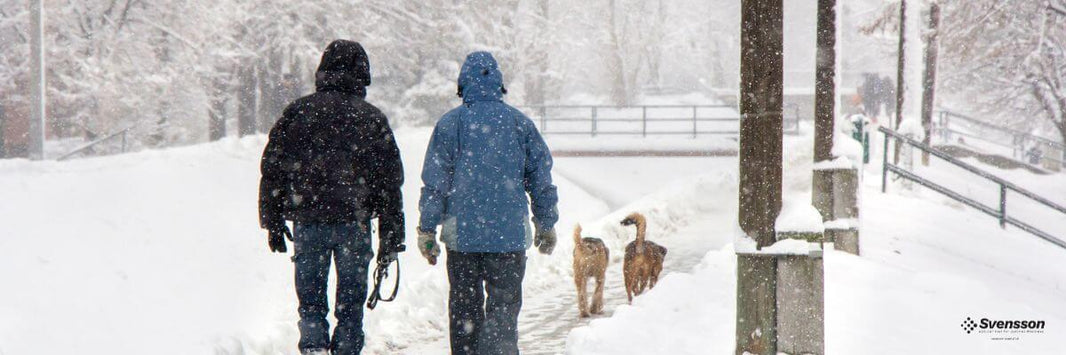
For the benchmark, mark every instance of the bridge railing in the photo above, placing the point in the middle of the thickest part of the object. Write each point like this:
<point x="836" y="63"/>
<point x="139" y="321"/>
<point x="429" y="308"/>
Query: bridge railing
<point x="950" y="125"/>
<point x="645" y="120"/>
<point x="1000" y="212"/>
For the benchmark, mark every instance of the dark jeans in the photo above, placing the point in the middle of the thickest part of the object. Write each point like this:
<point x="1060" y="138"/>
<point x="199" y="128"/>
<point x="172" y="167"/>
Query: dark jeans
<point x="349" y="246"/>
<point x="480" y="326"/>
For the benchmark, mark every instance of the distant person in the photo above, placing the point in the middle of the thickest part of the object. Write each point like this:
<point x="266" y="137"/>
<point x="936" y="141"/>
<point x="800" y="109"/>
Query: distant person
<point x="878" y="95"/>
<point x="870" y="94"/>
<point x="331" y="165"/>
<point x="1035" y="155"/>
<point x="482" y="160"/>
<point x="888" y="92"/>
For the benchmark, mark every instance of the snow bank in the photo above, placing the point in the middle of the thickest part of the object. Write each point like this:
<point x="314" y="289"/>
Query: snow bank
<point x="799" y="216"/>
<point x="840" y="162"/>
<point x="748" y="246"/>
<point x="684" y="314"/>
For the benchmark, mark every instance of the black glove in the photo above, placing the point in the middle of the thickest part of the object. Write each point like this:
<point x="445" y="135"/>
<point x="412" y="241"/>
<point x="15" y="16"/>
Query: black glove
<point x="277" y="235"/>
<point x="387" y="252"/>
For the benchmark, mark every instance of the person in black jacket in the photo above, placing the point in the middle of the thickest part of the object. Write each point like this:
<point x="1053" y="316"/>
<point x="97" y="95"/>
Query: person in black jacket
<point x="331" y="165"/>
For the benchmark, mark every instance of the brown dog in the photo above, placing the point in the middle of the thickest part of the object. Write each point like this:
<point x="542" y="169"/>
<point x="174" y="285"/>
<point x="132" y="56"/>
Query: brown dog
<point x="590" y="260"/>
<point x="643" y="261"/>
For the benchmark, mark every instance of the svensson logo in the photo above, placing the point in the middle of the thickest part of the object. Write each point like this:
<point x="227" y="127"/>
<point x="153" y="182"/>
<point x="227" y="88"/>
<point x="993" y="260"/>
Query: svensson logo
<point x="969" y="325"/>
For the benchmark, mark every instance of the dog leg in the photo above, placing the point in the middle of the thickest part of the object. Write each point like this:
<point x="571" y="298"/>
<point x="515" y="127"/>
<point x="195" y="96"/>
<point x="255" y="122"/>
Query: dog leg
<point x="582" y="296"/>
<point x="654" y="277"/>
<point x="629" y="287"/>
<point x="597" y="297"/>
<point x="642" y="282"/>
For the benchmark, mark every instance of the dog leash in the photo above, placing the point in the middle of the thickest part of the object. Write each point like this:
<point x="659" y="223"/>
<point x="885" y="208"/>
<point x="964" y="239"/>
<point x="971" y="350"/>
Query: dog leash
<point x="380" y="273"/>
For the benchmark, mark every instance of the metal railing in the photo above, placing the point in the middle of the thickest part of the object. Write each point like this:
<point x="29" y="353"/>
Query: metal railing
<point x="121" y="134"/>
<point x="1004" y="187"/>
<point x="645" y="120"/>
<point x="1019" y="140"/>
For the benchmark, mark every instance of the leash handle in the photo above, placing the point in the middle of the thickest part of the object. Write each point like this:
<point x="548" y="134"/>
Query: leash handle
<point x="380" y="272"/>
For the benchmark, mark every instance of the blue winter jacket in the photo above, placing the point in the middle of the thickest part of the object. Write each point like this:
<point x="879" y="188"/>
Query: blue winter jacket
<point x="482" y="160"/>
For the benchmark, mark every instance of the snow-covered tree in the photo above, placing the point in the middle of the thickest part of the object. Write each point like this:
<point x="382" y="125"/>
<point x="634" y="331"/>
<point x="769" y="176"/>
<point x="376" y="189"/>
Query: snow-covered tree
<point x="186" y="71"/>
<point x="1007" y="60"/>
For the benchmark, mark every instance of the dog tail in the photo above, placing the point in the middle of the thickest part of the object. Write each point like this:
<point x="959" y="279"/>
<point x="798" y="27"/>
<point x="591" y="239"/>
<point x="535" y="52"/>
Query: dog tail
<point x="637" y="219"/>
<point x="642" y="226"/>
<point x="577" y="235"/>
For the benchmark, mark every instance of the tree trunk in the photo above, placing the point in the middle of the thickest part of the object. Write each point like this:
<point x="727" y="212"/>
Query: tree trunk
<point x="654" y="52"/>
<point x="271" y="98"/>
<point x="932" y="47"/>
<point x="246" y="92"/>
<point x="219" y="98"/>
<point x="761" y="76"/>
<point x="536" y="86"/>
<point x="825" y="74"/>
<point x="899" y="73"/>
<point x="619" y="91"/>
<point x="37" y="82"/>
<point x="3" y="132"/>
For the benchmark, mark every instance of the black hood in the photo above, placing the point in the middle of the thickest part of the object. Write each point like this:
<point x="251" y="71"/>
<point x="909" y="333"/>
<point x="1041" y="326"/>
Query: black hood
<point x="344" y="67"/>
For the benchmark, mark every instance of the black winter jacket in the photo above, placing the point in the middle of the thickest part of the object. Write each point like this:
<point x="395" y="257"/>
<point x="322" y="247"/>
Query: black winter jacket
<point x="332" y="157"/>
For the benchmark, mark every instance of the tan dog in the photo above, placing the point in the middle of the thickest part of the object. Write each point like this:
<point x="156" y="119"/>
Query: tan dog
<point x="643" y="261"/>
<point x="590" y="260"/>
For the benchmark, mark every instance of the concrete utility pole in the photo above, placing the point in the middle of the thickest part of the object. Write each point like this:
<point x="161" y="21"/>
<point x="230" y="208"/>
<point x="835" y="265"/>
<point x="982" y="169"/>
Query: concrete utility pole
<point x="761" y="77"/>
<point x="932" y="47"/>
<point x="38" y="100"/>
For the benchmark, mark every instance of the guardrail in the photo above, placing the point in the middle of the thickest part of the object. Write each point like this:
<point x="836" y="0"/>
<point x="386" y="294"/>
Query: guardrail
<point x="1019" y="140"/>
<point x="644" y="120"/>
<point x="1004" y="187"/>
<point x="122" y="133"/>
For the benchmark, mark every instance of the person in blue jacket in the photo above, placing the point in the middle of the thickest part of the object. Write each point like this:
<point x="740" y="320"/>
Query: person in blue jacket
<point x="483" y="159"/>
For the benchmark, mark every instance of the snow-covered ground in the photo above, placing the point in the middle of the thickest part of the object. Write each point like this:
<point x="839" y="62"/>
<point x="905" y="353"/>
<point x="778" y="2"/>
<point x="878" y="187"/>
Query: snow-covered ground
<point x="159" y="252"/>
<point x="123" y="253"/>
<point x="927" y="264"/>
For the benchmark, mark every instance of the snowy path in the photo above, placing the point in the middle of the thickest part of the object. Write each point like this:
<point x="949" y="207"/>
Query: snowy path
<point x="549" y="311"/>
<point x="547" y="319"/>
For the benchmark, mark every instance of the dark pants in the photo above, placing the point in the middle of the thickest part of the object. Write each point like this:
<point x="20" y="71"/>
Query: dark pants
<point x="349" y="246"/>
<point x="480" y="326"/>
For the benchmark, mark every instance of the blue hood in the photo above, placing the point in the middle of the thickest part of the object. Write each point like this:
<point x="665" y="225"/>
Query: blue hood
<point x="481" y="79"/>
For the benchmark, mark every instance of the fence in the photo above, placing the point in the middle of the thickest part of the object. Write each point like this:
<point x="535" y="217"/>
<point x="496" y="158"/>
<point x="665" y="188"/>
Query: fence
<point x="1004" y="187"/>
<point x="645" y="120"/>
<point x="88" y="147"/>
<point x="950" y="124"/>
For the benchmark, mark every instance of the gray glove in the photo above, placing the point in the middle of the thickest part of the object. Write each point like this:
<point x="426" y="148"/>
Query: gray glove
<point x="545" y="240"/>
<point x="427" y="244"/>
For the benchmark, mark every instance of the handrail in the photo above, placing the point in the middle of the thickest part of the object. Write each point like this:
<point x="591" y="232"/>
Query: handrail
<point x="1004" y="186"/>
<point x="86" y="146"/>
<point x="921" y="146"/>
